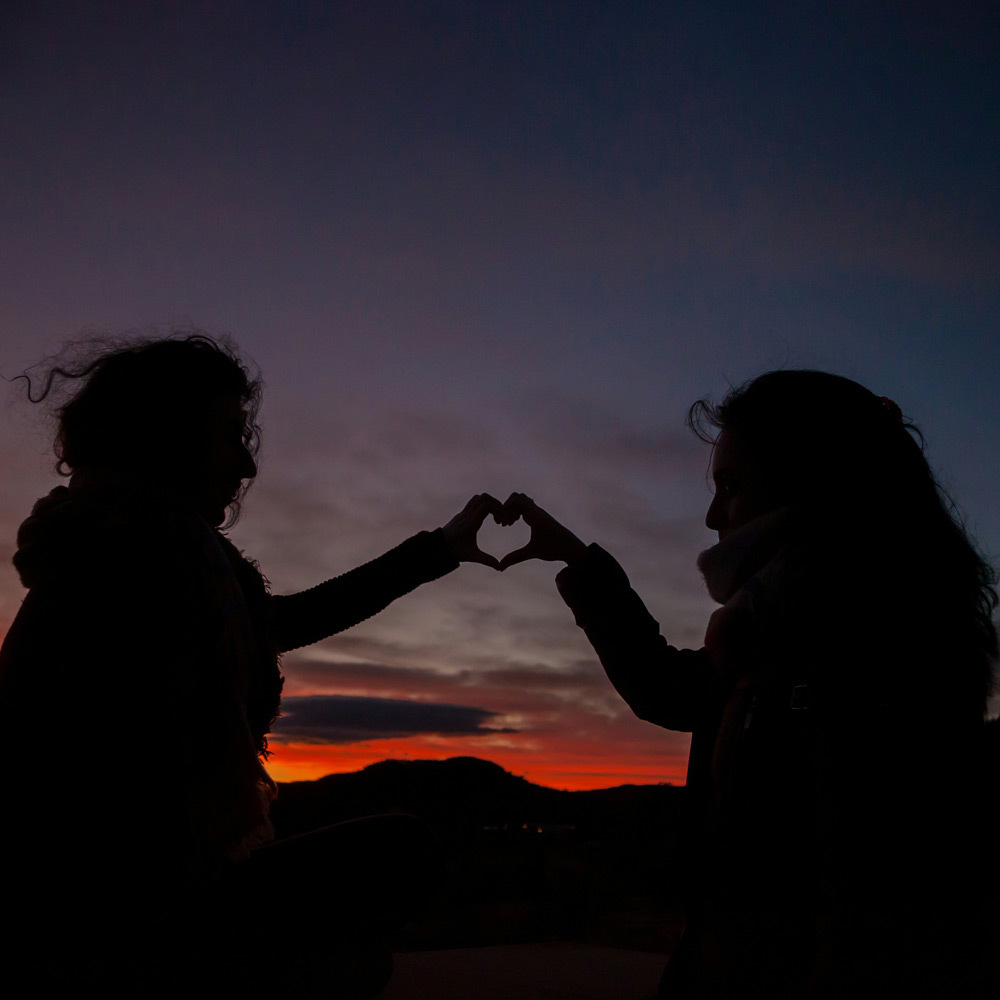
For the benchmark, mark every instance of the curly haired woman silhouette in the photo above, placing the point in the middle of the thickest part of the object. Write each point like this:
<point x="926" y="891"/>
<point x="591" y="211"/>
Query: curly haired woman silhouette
<point x="836" y="709"/>
<point x="138" y="684"/>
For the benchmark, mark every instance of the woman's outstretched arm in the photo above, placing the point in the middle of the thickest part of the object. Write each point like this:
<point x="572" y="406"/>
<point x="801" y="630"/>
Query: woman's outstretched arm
<point x="675" y="688"/>
<point x="339" y="603"/>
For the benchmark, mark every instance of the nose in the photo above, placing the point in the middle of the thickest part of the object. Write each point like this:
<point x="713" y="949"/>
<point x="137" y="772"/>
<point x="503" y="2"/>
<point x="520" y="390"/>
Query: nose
<point x="714" y="517"/>
<point x="248" y="467"/>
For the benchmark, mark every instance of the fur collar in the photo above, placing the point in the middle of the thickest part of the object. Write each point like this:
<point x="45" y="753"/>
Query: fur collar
<point x="227" y="689"/>
<point x="745" y="552"/>
<point x="751" y="573"/>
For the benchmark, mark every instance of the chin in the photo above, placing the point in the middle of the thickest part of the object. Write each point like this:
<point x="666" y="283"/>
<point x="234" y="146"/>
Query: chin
<point x="214" y="515"/>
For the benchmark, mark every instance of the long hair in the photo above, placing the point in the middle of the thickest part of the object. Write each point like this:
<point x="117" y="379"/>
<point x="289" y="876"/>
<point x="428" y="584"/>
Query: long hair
<point x="829" y="444"/>
<point x="121" y="402"/>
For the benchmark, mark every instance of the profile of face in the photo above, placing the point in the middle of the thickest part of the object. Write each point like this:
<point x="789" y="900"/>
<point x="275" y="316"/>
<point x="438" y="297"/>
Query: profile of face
<point x="221" y="461"/>
<point x="740" y="491"/>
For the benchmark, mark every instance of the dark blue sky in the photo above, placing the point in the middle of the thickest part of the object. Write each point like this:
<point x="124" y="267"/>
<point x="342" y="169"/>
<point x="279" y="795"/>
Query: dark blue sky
<point x="504" y="246"/>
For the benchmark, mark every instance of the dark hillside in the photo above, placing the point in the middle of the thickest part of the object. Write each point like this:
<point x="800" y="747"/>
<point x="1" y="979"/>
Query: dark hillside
<point x="522" y="862"/>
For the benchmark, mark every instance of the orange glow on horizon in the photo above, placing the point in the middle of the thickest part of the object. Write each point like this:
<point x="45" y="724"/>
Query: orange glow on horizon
<point x="568" y="769"/>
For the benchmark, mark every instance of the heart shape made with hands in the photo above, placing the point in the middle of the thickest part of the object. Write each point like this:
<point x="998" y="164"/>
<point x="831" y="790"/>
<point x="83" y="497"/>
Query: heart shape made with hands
<point x="498" y="540"/>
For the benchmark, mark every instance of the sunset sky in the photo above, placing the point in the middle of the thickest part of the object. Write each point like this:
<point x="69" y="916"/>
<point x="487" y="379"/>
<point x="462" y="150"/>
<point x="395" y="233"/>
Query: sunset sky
<point x="497" y="246"/>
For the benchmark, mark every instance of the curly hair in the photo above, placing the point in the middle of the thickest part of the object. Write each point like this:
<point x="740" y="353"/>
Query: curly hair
<point x="825" y="440"/>
<point x="119" y="400"/>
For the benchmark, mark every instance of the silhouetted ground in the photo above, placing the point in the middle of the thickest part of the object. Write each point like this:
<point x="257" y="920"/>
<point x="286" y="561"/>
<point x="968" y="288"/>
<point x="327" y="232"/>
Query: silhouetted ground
<point x="526" y="972"/>
<point x="545" y="894"/>
<point x="522" y="864"/>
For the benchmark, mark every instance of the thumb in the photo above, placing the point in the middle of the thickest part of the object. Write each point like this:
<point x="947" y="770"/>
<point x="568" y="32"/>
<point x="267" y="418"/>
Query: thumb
<point x="485" y="558"/>
<point x="523" y="554"/>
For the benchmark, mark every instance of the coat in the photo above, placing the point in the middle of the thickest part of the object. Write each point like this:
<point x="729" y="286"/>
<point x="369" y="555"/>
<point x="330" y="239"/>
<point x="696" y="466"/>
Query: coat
<point x="823" y="847"/>
<point x="137" y="685"/>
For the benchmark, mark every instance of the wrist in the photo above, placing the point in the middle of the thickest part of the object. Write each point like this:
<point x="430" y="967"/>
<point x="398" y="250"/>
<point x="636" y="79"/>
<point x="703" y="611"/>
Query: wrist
<point x="575" y="551"/>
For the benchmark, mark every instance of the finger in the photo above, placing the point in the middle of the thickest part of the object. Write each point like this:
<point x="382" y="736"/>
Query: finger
<point x="506" y="514"/>
<point x="484" y="506"/>
<point x="486" y="498"/>
<point x="472" y="515"/>
<point x="516" y="501"/>
<point x="514" y="507"/>
<point x="523" y="554"/>
<point x="492" y="506"/>
<point x="485" y="558"/>
<point x="491" y="500"/>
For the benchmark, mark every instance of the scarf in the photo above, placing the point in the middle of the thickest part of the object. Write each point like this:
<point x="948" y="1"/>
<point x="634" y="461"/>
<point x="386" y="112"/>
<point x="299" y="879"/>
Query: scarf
<point x="758" y="574"/>
<point x="229" y="692"/>
<point x="754" y="573"/>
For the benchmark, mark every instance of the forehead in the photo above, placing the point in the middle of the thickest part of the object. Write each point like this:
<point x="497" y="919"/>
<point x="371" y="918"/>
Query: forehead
<point x="726" y="453"/>
<point x="226" y="411"/>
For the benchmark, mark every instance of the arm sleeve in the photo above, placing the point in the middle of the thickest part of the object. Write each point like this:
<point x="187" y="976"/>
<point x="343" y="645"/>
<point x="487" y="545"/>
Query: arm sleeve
<point x="339" y="603"/>
<point x="674" y="688"/>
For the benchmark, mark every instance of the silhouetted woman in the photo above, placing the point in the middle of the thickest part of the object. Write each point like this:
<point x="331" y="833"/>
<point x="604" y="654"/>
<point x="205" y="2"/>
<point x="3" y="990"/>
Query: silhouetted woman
<point x="836" y="709"/>
<point x="137" y="687"/>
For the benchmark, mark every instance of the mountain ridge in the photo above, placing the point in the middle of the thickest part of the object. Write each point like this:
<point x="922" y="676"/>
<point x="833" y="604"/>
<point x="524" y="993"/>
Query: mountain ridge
<point x="464" y="791"/>
<point x="520" y="862"/>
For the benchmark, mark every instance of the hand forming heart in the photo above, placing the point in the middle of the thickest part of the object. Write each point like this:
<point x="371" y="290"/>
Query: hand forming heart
<point x="461" y="531"/>
<point x="498" y="539"/>
<point x="549" y="540"/>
